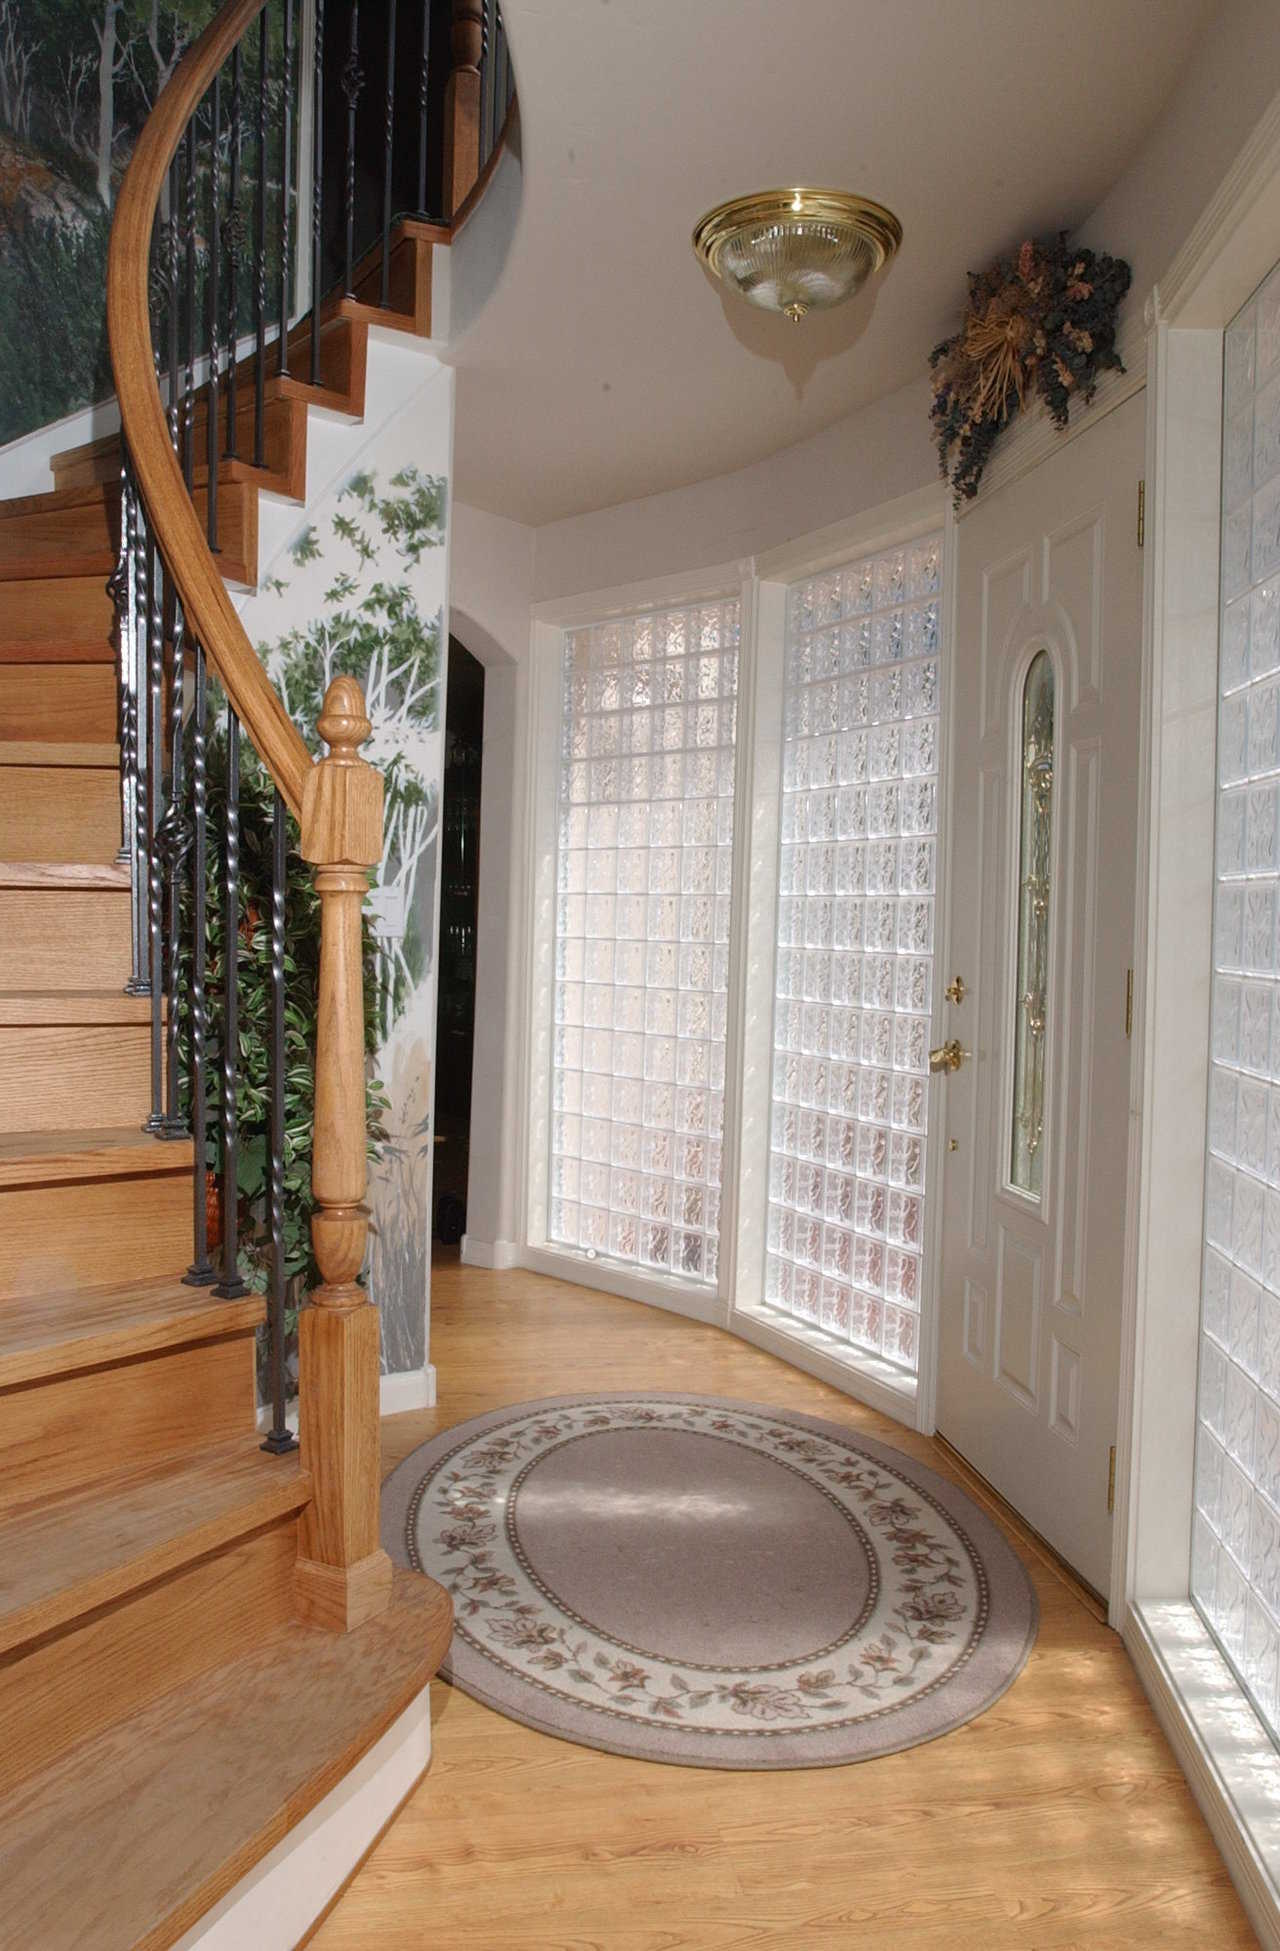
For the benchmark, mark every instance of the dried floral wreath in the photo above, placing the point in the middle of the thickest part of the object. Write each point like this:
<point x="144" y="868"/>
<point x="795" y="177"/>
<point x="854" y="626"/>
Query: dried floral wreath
<point x="1043" y="322"/>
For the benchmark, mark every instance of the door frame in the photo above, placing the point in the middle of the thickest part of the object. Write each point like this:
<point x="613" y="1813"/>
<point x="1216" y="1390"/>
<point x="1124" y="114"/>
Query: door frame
<point x="1232" y="1765"/>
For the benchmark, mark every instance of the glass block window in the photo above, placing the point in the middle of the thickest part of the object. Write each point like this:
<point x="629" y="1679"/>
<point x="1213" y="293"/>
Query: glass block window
<point x="854" y="972"/>
<point x="1235" y="1555"/>
<point x="645" y="853"/>
<point x="1031" y="987"/>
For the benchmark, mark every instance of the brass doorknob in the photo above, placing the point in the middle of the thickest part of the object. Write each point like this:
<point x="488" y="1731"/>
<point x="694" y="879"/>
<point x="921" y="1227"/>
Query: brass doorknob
<point x="956" y="990"/>
<point x="947" y="1056"/>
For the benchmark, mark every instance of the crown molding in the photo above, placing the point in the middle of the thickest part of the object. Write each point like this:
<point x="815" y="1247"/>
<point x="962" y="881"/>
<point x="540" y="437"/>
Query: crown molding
<point x="1232" y="245"/>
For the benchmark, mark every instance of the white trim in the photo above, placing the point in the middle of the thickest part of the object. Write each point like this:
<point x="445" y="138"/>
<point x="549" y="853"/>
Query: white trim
<point x="497" y="1255"/>
<point x="869" y="1380"/>
<point x="276" y="1902"/>
<point x="1218" y="264"/>
<point x="696" y="1302"/>
<point x="655" y="593"/>
<point x="1231" y="1765"/>
<point x="414" y="1388"/>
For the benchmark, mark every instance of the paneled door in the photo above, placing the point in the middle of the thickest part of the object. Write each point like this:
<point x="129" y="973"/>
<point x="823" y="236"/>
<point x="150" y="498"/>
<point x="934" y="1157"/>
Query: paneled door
<point x="1033" y="1078"/>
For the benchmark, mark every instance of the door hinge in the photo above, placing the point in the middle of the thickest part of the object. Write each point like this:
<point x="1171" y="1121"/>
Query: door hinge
<point x="1111" y="1479"/>
<point x="1128" y="1002"/>
<point x="1142" y="513"/>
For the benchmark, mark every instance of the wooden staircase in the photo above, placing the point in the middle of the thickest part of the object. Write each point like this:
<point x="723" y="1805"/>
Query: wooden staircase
<point x="167" y="1713"/>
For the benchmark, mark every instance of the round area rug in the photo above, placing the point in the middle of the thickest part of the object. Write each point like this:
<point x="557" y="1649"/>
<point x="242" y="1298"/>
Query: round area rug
<point x="716" y="1583"/>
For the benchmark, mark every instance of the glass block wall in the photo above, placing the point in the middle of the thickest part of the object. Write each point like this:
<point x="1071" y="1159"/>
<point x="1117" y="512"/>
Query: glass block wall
<point x="1235" y="1555"/>
<point x="854" y="973"/>
<point x="645" y="852"/>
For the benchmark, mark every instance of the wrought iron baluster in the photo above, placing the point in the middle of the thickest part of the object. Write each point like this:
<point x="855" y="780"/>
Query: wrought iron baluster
<point x="122" y="591"/>
<point x="154" y="767"/>
<point x="215" y="350"/>
<point x="171" y="316"/>
<point x="260" y="257"/>
<point x="424" y="91"/>
<point x="487" y="68"/>
<point x="317" y="192"/>
<point x="280" y="1439"/>
<point x="352" y="88"/>
<point x="173" y="845"/>
<point x="234" y="225"/>
<point x="286" y="176"/>
<point x="201" y="1272"/>
<point x="389" y="112"/>
<point x="230" y="1285"/>
<point x="139" y="983"/>
<point x="189" y="394"/>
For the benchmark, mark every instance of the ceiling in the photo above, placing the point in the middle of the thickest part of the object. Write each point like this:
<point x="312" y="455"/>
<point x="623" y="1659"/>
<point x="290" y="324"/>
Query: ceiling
<point x="607" y="364"/>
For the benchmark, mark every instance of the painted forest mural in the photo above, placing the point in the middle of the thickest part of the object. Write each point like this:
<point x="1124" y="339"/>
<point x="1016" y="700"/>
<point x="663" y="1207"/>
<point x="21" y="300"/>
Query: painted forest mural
<point x="78" y="79"/>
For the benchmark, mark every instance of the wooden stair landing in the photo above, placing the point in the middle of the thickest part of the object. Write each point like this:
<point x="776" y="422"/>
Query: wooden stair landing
<point x="130" y="1838"/>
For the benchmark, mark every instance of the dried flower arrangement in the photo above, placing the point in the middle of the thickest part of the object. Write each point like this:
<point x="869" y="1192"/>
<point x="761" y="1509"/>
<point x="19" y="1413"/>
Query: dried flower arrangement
<point x="1041" y="323"/>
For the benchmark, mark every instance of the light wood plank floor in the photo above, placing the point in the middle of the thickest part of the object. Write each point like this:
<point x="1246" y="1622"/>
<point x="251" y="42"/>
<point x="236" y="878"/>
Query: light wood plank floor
<point x="1058" y="1820"/>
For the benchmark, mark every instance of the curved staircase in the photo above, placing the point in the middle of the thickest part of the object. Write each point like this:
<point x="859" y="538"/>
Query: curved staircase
<point x="199" y="1638"/>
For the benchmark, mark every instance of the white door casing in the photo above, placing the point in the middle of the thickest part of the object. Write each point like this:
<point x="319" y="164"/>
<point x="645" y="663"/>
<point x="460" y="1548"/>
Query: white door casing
<point x="1030" y="1289"/>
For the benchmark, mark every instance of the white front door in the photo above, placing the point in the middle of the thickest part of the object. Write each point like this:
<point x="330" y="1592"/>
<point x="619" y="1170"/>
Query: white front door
<point x="1044" y="768"/>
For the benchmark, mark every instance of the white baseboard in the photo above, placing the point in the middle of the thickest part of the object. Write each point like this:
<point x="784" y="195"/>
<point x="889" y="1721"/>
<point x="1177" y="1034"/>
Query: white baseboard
<point x="414" y="1389"/>
<point x="280" y="1898"/>
<point x="1231" y="1765"/>
<point x="495" y="1254"/>
<point x="816" y="1354"/>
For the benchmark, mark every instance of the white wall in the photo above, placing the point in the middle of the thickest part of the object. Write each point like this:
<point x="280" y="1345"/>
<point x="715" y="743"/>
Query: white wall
<point x="491" y="587"/>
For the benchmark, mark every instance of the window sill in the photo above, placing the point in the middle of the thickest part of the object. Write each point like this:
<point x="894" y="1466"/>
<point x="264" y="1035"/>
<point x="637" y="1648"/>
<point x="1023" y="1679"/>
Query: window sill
<point x="1229" y="1759"/>
<point x="865" y="1377"/>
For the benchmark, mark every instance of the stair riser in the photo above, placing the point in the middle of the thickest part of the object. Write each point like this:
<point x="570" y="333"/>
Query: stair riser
<point x="283" y="422"/>
<point x="75" y="1078"/>
<point x="40" y="617"/>
<point x="79" y="1428"/>
<point x="57" y="542"/>
<point x="78" y="1682"/>
<point x="59" y="813"/>
<point x="102" y="1230"/>
<point x="66" y="703"/>
<point x="58" y="938"/>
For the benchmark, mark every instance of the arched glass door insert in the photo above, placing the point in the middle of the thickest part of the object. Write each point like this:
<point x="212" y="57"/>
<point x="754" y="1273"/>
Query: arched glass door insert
<point x="1031" y="987"/>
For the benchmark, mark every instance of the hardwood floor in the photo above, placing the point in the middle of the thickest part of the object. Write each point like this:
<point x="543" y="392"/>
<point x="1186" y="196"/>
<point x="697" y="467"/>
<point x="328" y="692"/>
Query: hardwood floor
<point x="1057" y="1821"/>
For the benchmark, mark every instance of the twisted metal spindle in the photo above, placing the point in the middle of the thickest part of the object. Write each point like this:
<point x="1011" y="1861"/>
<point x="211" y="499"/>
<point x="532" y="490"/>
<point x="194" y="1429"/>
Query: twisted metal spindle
<point x="280" y="1438"/>
<point x="139" y="983"/>
<point x="286" y="168"/>
<point x="352" y="88"/>
<point x="154" y="767"/>
<point x="389" y="129"/>
<point x="260" y="257"/>
<point x="317" y="191"/>
<point x="171" y="306"/>
<point x="173" y="843"/>
<point x="215" y="302"/>
<point x="234" y="223"/>
<point x="201" y="1272"/>
<point x="230" y="1286"/>
<point x="189" y="391"/>
<point x="424" y="84"/>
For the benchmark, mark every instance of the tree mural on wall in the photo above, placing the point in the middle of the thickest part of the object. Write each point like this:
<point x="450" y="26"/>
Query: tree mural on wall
<point x="357" y="578"/>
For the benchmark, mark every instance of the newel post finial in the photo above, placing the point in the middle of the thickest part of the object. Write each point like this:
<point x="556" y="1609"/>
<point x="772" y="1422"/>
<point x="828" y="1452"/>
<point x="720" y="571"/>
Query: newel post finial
<point x="343" y="1576"/>
<point x="462" y="104"/>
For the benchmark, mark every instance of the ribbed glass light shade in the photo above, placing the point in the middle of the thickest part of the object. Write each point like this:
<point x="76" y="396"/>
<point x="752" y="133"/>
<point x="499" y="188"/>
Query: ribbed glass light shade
<point x="796" y="251"/>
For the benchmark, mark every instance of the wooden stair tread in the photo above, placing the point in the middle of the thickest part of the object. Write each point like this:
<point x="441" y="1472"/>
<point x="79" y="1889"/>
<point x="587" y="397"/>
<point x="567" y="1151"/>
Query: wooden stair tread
<point x="19" y="1007"/>
<point x="44" y="752"/>
<point x="67" y="1555"/>
<point x="40" y="1157"/>
<point x="99" y="875"/>
<point x="131" y="1837"/>
<point x="71" y="1329"/>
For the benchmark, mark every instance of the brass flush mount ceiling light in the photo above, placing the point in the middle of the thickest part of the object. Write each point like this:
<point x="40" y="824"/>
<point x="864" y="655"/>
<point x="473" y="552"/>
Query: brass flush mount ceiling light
<point x="796" y="251"/>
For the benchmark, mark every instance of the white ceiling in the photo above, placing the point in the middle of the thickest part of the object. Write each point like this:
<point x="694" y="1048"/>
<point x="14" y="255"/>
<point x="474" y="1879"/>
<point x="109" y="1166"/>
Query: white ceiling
<point x="608" y="365"/>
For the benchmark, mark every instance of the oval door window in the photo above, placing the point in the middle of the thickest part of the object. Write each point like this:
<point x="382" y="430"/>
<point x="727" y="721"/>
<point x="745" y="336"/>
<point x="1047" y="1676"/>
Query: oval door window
<point x="1031" y="991"/>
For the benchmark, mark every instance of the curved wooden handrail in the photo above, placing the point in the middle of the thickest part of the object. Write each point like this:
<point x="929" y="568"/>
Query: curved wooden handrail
<point x="207" y="607"/>
<point x="476" y="193"/>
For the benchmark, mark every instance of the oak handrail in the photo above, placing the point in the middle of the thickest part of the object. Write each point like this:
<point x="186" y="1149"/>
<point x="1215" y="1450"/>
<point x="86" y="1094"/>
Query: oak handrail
<point x="207" y="607"/>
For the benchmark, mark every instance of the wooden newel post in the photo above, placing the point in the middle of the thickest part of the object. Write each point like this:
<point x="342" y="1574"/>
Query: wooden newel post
<point x="462" y="104"/>
<point x="343" y="1576"/>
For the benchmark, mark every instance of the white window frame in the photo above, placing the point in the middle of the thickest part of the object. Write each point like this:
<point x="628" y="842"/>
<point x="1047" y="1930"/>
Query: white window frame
<point x="1230" y="1760"/>
<point x="736" y="1300"/>
<point x="702" y="1301"/>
